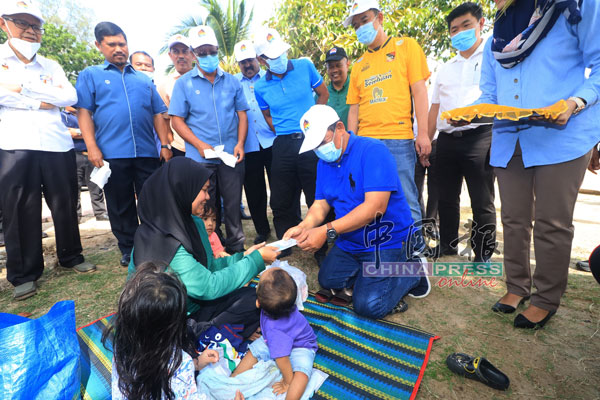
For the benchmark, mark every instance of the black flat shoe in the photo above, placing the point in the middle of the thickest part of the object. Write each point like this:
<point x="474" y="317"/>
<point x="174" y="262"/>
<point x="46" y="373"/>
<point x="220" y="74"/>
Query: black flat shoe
<point x="125" y="260"/>
<point x="479" y="369"/>
<point x="505" y="308"/>
<point x="522" y="321"/>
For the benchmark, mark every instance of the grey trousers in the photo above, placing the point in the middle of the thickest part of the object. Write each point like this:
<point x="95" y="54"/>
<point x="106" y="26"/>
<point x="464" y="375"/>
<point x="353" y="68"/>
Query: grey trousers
<point x="542" y="199"/>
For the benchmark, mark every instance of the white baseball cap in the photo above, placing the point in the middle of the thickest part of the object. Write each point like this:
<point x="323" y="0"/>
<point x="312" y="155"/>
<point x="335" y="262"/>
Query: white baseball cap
<point x="173" y="40"/>
<point x="201" y="35"/>
<point x="314" y="124"/>
<point x="359" y="7"/>
<point x="244" y="50"/>
<point x="22" y="7"/>
<point x="268" y="42"/>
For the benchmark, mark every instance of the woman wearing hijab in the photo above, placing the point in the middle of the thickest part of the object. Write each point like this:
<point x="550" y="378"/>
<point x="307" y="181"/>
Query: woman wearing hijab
<point x="538" y="55"/>
<point x="170" y="235"/>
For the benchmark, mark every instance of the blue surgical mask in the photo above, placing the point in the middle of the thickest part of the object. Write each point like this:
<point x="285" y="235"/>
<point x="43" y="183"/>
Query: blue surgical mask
<point x="367" y="33"/>
<point x="279" y="64"/>
<point x="464" y="40"/>
<point x="328" y="152"/>
<point x="208" y="63"/>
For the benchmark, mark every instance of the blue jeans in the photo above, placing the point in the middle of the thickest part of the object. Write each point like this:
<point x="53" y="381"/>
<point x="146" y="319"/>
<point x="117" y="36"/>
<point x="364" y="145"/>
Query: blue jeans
<point x="373" y="297"/>
<point x="301" y="358"/>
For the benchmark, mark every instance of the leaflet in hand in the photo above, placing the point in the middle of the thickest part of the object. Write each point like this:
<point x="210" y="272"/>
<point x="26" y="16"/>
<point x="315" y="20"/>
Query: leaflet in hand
<point x="229" y="159"/>
<point x="283" y="244"/>
<point x="100" y="175"/>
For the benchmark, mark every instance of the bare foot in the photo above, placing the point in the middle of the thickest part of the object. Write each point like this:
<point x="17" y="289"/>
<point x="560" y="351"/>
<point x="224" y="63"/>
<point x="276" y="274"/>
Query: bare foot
<point x="535" y="314"/>
<point x="511" y="300"/>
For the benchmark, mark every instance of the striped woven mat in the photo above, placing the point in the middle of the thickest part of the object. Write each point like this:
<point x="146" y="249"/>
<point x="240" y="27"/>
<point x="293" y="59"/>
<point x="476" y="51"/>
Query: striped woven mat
<point x="365" y="359"/>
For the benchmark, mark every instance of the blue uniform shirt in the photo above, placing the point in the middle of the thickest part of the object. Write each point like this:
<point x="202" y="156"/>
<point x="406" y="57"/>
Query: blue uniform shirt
<point x="70" y="121"/>
<point x="123" y="105"/>
<point x="366" y="166"/>
<point x="258" y="130"/>
<point x="554" y="70"/>
<point x="209" y="109"/>
<point x="290" y="97"/>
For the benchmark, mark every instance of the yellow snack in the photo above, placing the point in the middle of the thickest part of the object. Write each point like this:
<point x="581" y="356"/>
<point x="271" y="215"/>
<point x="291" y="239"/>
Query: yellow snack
<point x="503" y="112"/>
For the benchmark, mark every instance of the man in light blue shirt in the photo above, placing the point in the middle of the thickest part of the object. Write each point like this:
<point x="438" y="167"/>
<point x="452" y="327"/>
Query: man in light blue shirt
<point x="258" y="142"/>
<point x="540" y="163"/>
<point x="208" y="109"/>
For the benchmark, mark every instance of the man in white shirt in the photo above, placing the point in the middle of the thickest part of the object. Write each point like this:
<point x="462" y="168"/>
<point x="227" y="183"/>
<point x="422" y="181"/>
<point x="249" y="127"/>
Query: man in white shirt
<point x="463" y="151"/>
<point x="36" y="152"/>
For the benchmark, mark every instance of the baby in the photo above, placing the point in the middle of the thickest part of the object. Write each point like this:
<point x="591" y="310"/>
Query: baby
<point x="210" y="222"/>
<point x="287" y="337"/>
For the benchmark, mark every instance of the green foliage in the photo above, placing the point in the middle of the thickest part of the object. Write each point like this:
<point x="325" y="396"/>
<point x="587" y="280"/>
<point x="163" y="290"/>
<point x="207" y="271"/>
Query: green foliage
<point x="313" y="27"/>
<point x="77" y="19"/>
<point x="63" y="47"/>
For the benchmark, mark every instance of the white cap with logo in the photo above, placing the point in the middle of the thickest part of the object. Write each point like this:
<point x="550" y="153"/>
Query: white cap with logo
<point x="201" y="35"/>
<point x="173" y="40"/>
<point x="268" y="42"/>
<point x="359" y="7"/>
<point x="314" y="124"/>
<point x="21" y="7"/>
<point x="244" y="50"/>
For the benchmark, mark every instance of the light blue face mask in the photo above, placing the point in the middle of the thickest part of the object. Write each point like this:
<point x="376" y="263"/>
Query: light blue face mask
<point x="367" y="33"/>
<point x="328" y="152"/>
<point x="464" y="40"/>
<point x="208" y="63"/>
<point x="279" y="64"/>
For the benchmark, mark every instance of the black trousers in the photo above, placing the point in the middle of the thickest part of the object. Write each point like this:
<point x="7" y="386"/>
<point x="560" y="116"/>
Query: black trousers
<point x="24" y="176"/>
<point x="256" y="188"/>
<point x="125" y="183"/>
<point x="238" y="307"/>
<point x="177" y="153"/>
<point x="431" y="211"/>
<point x="84" y="169"/>
<point x="468" y="157"/>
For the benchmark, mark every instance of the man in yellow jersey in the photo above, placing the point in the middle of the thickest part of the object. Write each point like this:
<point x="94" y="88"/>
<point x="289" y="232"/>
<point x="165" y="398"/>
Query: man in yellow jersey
<point x="383" y="84"/>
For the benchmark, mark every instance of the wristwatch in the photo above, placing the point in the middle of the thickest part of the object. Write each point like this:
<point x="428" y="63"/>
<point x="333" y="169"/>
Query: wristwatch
<point x="580" y="104"/>
<point x="331" y="233"/>
<point x="165" y="146"/>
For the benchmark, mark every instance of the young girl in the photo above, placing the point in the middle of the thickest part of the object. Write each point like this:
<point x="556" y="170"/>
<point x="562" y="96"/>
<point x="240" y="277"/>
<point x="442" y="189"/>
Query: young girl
<point x="149" y="340"/>
<point x="210" y="222"/>
<point x="287" y="337"/>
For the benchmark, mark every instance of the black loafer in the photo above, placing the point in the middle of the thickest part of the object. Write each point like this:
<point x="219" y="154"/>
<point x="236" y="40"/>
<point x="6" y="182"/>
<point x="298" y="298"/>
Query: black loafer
<point x="261" y="238"/>
<point x="125" y="260"/>
<point x="505" y="308"/>
<point x="523" y="322"/>
<point x="479" y="369"/>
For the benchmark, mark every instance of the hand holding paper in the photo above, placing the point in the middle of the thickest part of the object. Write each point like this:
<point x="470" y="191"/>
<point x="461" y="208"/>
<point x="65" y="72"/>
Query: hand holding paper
<point x="219" y="152"/>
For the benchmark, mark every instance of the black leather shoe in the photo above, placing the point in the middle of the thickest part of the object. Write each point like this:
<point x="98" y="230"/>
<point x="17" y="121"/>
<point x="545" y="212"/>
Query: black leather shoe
<point x="261" y="238"/>
<point x="244" y="215"/>
<point x="479" y="369"/>
<point x="505" y="308"/>
<point x="125" y="260"/>
<point x="102" y="217"/>
<point x="523" y="322"/>
<point x="583" y="266"/>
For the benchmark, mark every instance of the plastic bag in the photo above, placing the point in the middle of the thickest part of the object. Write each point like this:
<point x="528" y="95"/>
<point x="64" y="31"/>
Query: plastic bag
<point x="39" y="358"/>
<point x="299" y="277"/>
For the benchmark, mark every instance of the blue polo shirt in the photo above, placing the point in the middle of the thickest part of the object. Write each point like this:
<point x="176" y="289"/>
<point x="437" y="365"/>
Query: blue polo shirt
<point x="290" y="97"/>
<point x="259" y="133"/>
<point x="123" y="105"/>
<point x="366" y="166"/>
<point x="209" y="109"/>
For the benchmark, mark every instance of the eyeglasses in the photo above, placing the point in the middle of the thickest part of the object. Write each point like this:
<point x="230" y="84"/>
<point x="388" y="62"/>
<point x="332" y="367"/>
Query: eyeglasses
<point x="24" y="25"/>
<point x="210" y="53"/>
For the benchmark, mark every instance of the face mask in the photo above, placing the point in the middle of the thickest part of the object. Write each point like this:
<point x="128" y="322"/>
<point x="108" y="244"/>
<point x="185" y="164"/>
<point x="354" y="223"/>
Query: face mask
<point x="328" y="152"/>
<point x="464" y="40"/>
<point x="278" y="65"/>
<point x="149" y="74"/>
<point x="367" y="33"/>
<point x="208" y="63"/>
<point x="27" y="49"/>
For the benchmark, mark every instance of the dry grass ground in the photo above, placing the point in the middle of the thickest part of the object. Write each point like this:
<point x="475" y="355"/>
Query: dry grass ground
<point x="562" y="361"/>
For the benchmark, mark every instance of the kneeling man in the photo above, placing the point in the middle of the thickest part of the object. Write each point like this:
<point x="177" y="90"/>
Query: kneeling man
<point x="357" y="177"/>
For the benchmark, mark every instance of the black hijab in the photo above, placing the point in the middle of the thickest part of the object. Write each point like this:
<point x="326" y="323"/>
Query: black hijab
<point x="165" y="211"/>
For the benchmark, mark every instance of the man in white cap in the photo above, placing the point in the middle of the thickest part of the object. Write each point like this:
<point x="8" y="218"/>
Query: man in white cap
<point x="356" y="176"/>
<point x="36" y="151"/>
<point x="183" y="60"/>
<point x="384" y="84"/>
<point x="258" y="143"/>
<point x="208" y="109"/>
<point x="284" y="94"/>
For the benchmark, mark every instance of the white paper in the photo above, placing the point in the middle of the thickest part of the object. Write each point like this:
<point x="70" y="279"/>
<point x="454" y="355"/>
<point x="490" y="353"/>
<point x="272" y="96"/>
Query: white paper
<point x="283" y="244"/>
<point x="228" y="159"/>
<point x="100" y="175"/>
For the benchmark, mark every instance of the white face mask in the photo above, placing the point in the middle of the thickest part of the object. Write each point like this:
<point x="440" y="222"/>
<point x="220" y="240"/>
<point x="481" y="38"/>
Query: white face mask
<point x="27" y="49"/>
<point x="149" y="74"/>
